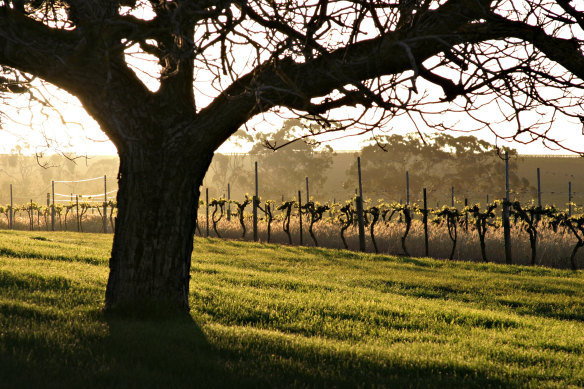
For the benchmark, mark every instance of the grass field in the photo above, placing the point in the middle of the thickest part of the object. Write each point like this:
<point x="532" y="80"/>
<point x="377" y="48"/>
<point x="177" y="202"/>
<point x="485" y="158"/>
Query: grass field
<point x="277" y="316"/>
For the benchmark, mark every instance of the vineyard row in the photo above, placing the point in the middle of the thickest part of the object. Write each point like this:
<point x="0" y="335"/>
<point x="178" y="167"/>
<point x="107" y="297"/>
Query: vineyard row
<point x="531" y="219"/>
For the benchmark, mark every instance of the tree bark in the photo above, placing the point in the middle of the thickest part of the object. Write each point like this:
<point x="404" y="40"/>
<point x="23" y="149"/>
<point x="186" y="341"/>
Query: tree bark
<point x="157" y="212"/>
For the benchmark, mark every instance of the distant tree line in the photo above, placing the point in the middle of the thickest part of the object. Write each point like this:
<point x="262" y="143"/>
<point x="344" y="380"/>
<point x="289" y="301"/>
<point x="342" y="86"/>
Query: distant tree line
<point x="437" y="162"/>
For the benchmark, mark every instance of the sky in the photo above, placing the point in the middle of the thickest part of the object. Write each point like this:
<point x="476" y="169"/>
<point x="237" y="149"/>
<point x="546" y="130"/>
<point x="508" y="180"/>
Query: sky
<point x="38" y="130"/>
<point x="68" y="128"/>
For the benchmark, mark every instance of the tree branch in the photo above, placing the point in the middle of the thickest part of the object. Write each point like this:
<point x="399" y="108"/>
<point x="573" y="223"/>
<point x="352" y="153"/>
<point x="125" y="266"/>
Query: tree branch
<point x="32" y="47"/>
<point x="283" y="82"/>
<point x="566" y="52"/>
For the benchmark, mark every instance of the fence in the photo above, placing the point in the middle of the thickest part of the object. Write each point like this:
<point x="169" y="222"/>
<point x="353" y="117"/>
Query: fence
<point x="76" y="204"/>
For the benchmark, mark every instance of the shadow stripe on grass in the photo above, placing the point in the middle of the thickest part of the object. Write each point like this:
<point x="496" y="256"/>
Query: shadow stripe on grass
<point x="6" y="252"/>
<point x="33" y="282"/>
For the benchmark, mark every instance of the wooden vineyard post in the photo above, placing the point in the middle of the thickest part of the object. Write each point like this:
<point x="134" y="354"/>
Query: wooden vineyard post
<point x="53" y="207"/>
<point x="228" y="202"/>
<point x="425" y="220"/>
<point x="255" y="206"/>
<point x="48" y="207"/>
<point x="465" y="215"/>
<point x="569" y="198"/>
<point x="78" y="217"/>
<point x="538" y="194"/>
<point x="105" y="204"/>
<point x="538" y="189"/>
<point x="300" y="214"/>
<point x="31" y="215"/>
<point x="407" y="188"/>
<point x="207" y="210"/>
<point x="359" y="201"/>
<point x="11" y="209"/>
<point x="307" y="191"/>
<point x="452" y="196"/>
<point x="39" y="218"/>
<point x="506" y="224"/>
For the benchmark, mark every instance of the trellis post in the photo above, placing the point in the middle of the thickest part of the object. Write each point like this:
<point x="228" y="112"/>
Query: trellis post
<point x="425" y="220"/>
<point x="255" y="206"/>
<point x="228" y="202"/>
<point x="569" y="198"/>
<point x="11" y="209"/>
<point x="506" y="224"/>
<point x="207" y="210"/>
<point x="105" y="204"/>
<point x="48" y="207"/>
<point x="359" y="201"/>
<point x="538" y="193"/>
<point x="31" y="216"/>
<point x="300" y="214"/>
<point x="407" y="188"/>
<point x="466" y="215"/>
<point x="53" y="207"/>
<point x="538" y="189"/>
<point x="78" y="217"/>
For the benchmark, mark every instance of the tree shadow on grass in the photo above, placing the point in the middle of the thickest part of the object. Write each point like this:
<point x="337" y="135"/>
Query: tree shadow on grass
<point x="109" y="352"/>
<point x="258" y="362"/>
<point x="171" y="353"/>
<point x="175" y="353"/>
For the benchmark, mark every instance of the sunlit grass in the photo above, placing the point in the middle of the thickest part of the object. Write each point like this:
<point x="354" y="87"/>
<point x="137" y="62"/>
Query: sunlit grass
<point x="274" y="316"/>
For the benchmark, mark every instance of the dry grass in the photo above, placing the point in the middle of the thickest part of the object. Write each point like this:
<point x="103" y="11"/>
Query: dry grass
<point x="91" y="222"/>
<point x="553" y="249"/>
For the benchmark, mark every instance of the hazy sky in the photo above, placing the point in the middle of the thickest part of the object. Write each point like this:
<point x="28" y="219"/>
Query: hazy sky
<point x="75" y="131"/>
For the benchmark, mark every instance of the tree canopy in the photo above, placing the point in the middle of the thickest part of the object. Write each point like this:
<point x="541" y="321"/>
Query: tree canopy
<point x="310" y="57"/>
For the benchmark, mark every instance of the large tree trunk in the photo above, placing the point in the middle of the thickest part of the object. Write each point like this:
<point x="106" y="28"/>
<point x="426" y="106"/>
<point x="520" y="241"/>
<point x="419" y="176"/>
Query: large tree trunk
<point x="157" y="211"/>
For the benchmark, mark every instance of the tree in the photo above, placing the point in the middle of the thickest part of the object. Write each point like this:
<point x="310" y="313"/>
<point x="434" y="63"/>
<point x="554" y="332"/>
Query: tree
<point x="228" y="169"/>
<point x="470" y="165"/>
<point x="287" y="168"/>
<point x="281" y="171"/>
<point x="219" y="63"/>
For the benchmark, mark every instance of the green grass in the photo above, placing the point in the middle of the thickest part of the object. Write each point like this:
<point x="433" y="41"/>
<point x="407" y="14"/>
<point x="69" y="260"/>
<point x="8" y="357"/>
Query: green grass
<point x="277" y="316"/>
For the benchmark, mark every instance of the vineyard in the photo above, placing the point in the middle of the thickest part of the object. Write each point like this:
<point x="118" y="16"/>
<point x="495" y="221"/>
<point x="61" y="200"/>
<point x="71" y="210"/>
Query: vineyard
<point x="81" y="216"/>
<point x="545" y="236"/>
